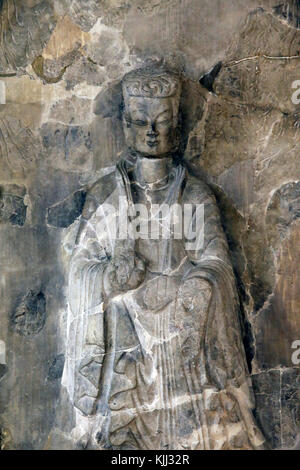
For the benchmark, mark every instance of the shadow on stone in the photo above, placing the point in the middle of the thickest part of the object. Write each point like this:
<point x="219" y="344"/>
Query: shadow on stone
<point x="208" y="79"/>
<point x="56" y="368"/>
<point x="64" y="213"/>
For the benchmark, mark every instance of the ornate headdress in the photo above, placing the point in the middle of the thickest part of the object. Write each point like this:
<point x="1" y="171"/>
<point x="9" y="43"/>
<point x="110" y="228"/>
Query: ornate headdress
<point x="149" y="83"/>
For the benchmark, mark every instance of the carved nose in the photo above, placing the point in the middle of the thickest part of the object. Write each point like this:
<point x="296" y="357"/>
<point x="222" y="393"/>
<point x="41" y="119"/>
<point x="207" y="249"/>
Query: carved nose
<point x="152" y="132"/>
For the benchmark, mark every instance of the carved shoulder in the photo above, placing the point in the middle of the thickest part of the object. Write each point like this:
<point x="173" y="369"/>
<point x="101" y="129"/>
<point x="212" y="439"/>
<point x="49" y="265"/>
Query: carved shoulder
<point x="98" y="194"/>
<point x="197" y="191"/>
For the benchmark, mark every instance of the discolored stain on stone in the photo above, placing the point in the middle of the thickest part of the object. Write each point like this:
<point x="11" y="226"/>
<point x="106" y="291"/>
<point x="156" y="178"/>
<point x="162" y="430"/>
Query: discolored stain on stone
<point x="30" y="316"/>
<point x="64" y="213"/>
<point x="38" y="67"/>
<point x="56" y="368"/>
<point x="65" y="37"/>
<point x="12" y="207"/>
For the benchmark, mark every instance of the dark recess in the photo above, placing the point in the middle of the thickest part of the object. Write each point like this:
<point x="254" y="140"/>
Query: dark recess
<point x="290" y="11"/>
<point x="208" y="79"/>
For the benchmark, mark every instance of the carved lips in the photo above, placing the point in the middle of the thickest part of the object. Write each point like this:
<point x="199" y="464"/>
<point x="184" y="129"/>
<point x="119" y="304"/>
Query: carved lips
<point x="152" y="143"/>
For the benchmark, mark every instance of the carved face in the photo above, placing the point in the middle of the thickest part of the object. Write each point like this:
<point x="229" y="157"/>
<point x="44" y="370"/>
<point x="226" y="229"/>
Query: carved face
<point x="150" y="125"/>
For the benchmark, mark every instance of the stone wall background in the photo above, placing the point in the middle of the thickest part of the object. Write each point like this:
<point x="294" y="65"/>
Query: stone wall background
<point x="56" y="57"/>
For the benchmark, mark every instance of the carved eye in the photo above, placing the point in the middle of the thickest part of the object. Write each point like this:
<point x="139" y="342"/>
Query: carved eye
<point x="139" y="123"/>
<point x="164" y="121"/>
<point x="136" y="122"/>
<point x="164" y="118"/>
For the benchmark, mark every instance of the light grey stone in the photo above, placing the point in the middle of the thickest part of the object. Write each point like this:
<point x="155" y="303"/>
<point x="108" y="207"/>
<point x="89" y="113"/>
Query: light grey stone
<point x="61" y="130"/>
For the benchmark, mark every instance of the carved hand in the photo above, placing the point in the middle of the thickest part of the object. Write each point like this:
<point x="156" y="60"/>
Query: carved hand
<point x="125" y="272"/>
<point x="195" y="294"/>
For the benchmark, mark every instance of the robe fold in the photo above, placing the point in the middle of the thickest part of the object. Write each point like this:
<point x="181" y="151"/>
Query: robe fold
<point x="178" y="378"/>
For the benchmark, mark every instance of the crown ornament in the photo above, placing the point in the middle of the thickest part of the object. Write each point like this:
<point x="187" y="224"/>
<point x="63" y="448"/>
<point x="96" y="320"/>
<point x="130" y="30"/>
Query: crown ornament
<point x="151" y="84"/>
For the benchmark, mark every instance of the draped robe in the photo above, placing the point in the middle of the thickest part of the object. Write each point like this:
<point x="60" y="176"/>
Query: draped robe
<point x="174" y="379"/>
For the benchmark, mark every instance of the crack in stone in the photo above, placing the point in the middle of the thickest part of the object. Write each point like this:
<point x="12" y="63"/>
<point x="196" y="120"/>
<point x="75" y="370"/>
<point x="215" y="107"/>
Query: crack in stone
<point x="264" y="56"/>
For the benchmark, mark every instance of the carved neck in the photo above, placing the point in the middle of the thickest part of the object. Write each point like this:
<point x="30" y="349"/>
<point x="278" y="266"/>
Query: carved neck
<point x="152" y="170"/>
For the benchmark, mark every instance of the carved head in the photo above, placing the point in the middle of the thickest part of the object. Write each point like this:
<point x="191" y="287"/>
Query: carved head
<point x="150" y="117"/>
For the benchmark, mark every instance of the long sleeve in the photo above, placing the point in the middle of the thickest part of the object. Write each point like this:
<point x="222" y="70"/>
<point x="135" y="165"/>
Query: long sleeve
<point x="222" y="354"/>
<point x="85" y="338"/>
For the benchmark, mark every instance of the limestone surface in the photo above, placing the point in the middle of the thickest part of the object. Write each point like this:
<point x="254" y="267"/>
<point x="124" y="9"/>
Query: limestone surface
<point x="61" y="131"/>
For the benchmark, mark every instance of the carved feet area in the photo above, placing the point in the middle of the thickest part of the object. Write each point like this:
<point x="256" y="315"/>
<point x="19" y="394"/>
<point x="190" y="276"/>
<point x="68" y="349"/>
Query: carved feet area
<point x="172" y="412"/>
<point x="156" y="393"/>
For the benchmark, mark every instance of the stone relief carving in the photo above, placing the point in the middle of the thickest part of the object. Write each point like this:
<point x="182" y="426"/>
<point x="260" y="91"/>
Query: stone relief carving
<point x="19" y="146"/>
<point x="12" y="206"/>
<point x="25" y="29"/>
<point x="154" y="356"/>
<point x="30" y="315"/>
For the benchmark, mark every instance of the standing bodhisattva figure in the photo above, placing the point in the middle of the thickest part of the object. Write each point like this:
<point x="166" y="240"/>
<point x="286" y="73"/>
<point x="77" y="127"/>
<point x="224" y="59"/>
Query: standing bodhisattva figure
<point x="154" y="350"/>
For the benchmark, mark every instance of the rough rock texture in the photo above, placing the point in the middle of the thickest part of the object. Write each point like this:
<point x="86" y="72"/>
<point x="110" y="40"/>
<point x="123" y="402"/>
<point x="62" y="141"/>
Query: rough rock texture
<point x="12" y="207"/>
<point x="25" y="29"/>
<point x="60" y="67"/>
<point x="64" y="213"/>
<point x="30" y="315"/>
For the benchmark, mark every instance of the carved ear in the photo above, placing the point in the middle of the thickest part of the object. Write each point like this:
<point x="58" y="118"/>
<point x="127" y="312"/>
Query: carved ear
<point x="109" y="102"/>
